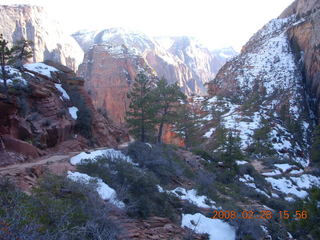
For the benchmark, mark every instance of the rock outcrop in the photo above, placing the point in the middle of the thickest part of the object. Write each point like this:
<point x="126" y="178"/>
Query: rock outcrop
<point x="49" y="110"/>
<point x="305" y="40"/>
<point x="109" y="72"/>
<point x="50" y="42"/>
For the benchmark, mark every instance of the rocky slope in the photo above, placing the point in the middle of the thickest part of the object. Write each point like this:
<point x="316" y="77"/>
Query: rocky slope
<point x="49" y="110"/>
<point x="261" y="96"/>
<point x="50" y="42"/>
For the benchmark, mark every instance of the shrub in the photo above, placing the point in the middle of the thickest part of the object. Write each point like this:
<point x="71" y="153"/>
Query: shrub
<point x="160" y="159"/>
<point x="203" y="153"/>
<point x="137" y="188"/>
<point x="57" y="209"/>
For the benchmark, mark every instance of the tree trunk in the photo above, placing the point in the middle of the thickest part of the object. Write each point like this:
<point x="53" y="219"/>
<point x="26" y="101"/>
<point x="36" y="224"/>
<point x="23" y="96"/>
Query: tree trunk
<point x="159" y="139"/>
<point x="142" y="136"/>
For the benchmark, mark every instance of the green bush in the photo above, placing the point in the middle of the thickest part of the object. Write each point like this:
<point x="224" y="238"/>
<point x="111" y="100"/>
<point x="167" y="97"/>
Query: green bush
<point x="160" y="159"/>
<point x="310" y="225"/>
<point x="57" y="209"/>
<point x="135" y="187"/>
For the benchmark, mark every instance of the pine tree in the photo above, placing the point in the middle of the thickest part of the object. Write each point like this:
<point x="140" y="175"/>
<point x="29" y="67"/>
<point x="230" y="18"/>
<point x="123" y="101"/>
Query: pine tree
<point x="17" y="55"/>
<point x="21" y="52"/>
<point x="141" y="114"/>
<point x="5" y="54"/>
<point x="187" y="123"/>
<point x="261" y="143"/>
<point x="168" y="97"/>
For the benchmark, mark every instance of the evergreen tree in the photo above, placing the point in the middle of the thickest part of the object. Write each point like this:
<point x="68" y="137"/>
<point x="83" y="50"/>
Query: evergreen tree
<point x="232" y="150"/>
<point x="261" y="144"/>
<point x="168" y="97"/>
<point x="5" y="54"/>
<point x="187" y="124"/>
<point x="16" y="56"/>
<point x="141" y="114"/>
<point x="21" y="52"/>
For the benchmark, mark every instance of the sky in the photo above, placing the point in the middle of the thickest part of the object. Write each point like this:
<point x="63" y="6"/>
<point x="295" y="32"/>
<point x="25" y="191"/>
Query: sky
<point x="215" y="23"/>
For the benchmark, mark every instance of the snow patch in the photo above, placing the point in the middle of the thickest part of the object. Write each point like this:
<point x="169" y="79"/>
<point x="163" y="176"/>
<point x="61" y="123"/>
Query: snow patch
<point x="217" y="229"/>
<point x="73" y="112"/>
<point x="41" y="68"/>
<point x="109" y="153"/>
<point x="191" y="196"/>
<point x="286" y="186"/>
<point x="104" y="191"/>
<point x="62" y="91"/>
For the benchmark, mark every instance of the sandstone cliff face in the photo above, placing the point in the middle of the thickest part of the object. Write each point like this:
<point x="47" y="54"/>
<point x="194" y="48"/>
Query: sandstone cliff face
<point x="50" y="42"/>
<point x="109" y="72"/>
<point x="41" y="116"/>
<point x="305" y="40"/>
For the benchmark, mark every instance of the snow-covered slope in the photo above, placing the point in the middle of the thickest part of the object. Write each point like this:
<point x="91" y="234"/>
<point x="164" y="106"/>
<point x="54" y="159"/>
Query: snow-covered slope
<point x="260" y="97"/>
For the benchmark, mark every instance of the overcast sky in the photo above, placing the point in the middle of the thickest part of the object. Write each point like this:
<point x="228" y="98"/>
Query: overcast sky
<point x="215" y="23"/>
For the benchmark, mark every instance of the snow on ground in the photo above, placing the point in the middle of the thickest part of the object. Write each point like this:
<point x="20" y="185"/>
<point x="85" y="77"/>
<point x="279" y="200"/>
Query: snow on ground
<point x="273" y="173"/>
<point x="209" y="133"/>
<point x="62" y="91"/>
<point x="13" y="76"/>
<point x="109" y="153"/>
<point x="104" y="191"/>
<point x="233" y="120"/>
<point x="191" y="196"/>
<point x="41" y="68"/>
<point x="296" y="171"/>
<point x="249" y="181"/>
<point x="238" y="162"/>
<point x="306" y="181"/>
<point x="286" y="186"/>
<point x="73" y="112"/>
<point x="284" y="166"/>
<point x="217" y="229"/>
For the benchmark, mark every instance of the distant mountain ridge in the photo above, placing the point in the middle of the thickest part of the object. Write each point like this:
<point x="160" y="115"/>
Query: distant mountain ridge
<point x="114" y="56"/>
<point x="199" y="63"/>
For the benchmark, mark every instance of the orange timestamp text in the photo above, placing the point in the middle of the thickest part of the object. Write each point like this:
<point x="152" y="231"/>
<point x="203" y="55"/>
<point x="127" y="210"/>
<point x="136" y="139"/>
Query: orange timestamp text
<point x="261" y="214"/>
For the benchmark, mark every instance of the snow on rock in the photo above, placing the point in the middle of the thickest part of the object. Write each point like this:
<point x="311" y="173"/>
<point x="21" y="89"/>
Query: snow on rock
<point x="13" y="76"/>
<point x="238" y="162"/>
<point x="249" y="181"/>
<point x="109" y="153"/>
<point x="286" y="186"/>
<point x="41" y="68"/>
<point x="62" y="91"/>
<point x="284" y="166"/>
<point x="191" y="196"/>
<point x="306" y="181"/>
<point x="209" y="133"/>
<point x="104" y="191"/>
<point x="73" y="112"/>
<point x="217" y="229"/>
<point x="273" y="173"/>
